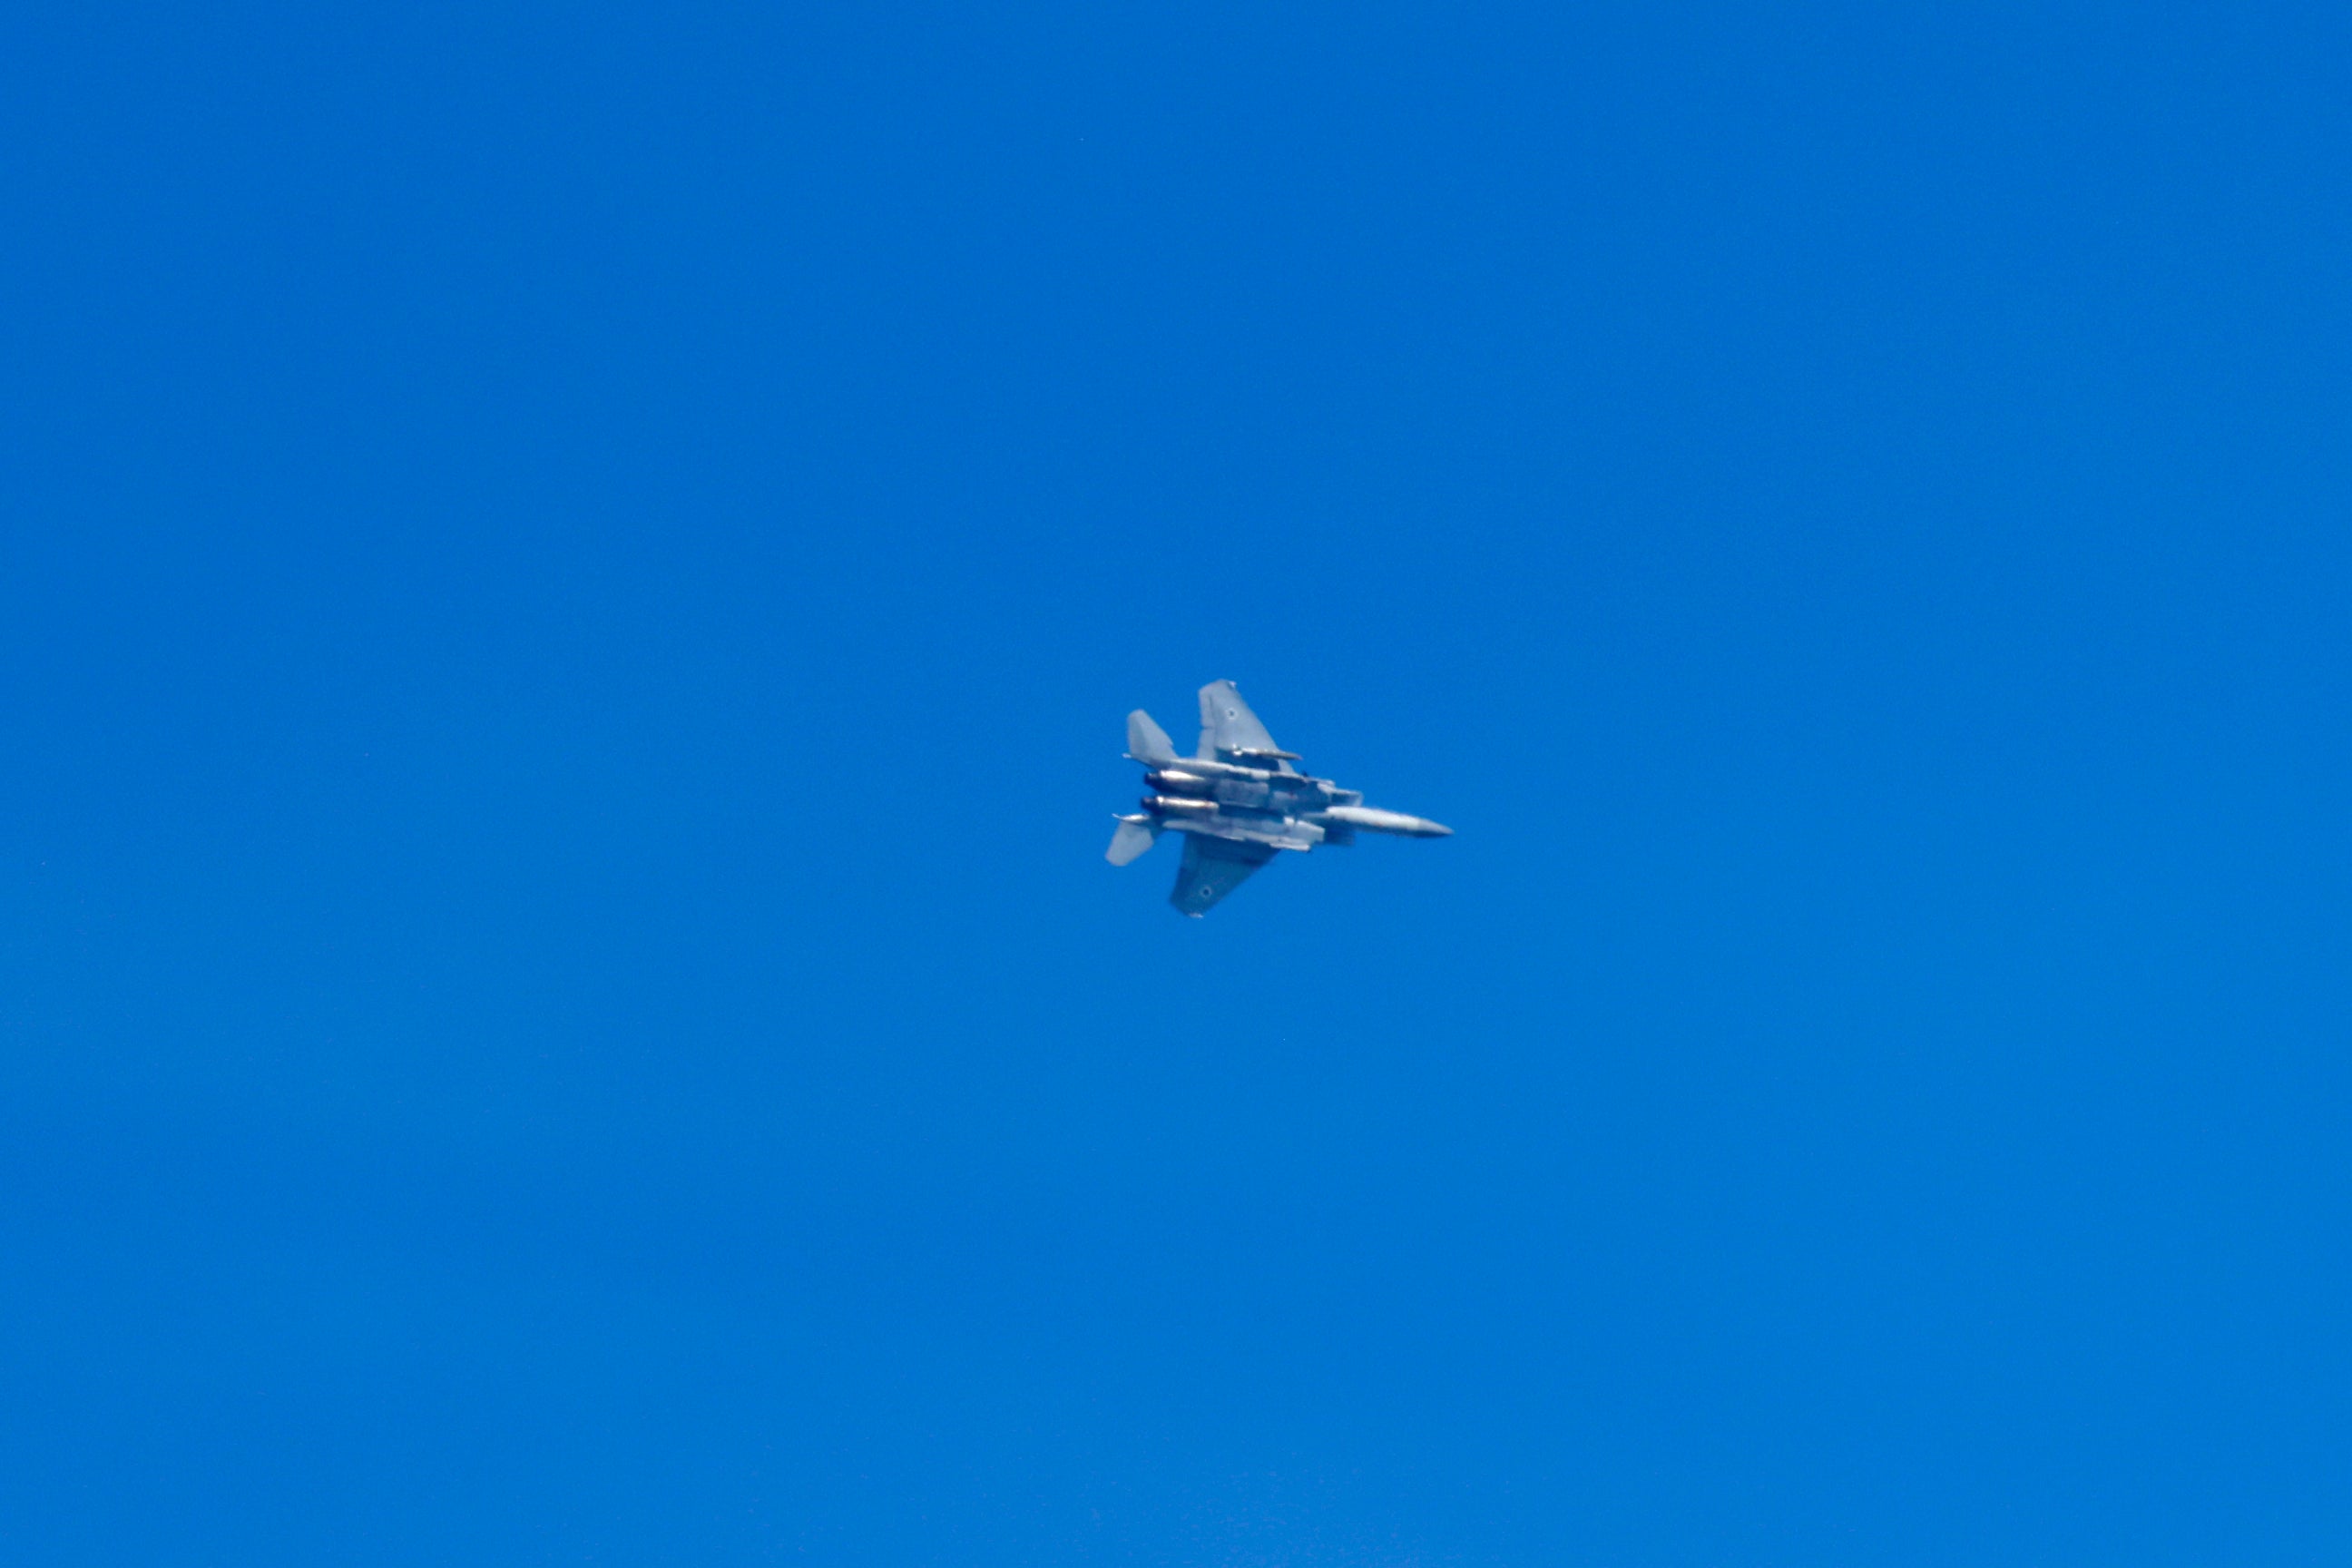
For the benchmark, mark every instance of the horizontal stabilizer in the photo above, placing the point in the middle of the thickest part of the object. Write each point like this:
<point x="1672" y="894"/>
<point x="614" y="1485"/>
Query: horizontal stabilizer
<point x="1147" y="741"/>
<point x="1135" y="835"/>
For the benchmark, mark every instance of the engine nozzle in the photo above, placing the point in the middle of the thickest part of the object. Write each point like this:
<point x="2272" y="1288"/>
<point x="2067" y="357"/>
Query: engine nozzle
<point x="1168" y="781"/>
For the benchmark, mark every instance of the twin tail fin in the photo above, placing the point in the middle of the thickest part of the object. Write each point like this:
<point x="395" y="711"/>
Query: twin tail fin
<point x="1147" y="742"/>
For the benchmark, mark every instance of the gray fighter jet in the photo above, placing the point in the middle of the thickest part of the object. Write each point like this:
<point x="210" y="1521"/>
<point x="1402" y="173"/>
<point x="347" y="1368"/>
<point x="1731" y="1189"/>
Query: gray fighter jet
<point x="1237" y="800"/>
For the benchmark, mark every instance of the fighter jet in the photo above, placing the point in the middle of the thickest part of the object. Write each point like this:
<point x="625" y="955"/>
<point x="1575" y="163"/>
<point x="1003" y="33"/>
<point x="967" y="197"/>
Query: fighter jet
<point x="1237" y="800"/>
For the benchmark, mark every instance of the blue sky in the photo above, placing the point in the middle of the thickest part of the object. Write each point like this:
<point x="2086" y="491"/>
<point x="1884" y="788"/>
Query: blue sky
<point x="568" y="589"/>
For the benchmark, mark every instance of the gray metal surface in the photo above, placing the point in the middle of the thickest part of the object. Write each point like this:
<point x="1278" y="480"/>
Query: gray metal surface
<point x="1238" y="802"/>
<point x="1212" y="867"/>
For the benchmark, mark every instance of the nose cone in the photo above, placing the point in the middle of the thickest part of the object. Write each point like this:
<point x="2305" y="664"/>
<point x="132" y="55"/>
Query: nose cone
<point x="1380" y="821"/>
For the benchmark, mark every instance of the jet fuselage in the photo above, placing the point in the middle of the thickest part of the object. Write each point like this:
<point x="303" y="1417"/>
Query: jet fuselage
<point x="1239" y="790"/>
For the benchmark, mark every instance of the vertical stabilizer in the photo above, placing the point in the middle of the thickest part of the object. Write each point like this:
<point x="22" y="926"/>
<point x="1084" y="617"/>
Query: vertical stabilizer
<point x="1147" y="741"/>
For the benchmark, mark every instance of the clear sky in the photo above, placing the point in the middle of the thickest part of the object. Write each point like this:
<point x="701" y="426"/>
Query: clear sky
<point x="570" y="579"/>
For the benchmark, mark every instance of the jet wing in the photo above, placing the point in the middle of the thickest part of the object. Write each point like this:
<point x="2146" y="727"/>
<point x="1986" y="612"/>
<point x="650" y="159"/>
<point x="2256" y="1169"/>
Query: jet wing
<point x="1227" y="725"/>
<point x="1213" y="868"/>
